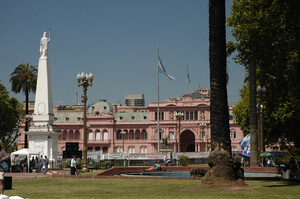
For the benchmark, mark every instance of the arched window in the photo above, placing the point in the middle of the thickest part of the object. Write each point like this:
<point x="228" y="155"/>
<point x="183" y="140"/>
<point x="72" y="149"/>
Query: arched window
<point x="105" y="135"/>
<point x="145" y="135"/>
<point x="67" y="136"/>
<point x="131" y="149"/>
<point x="97" y="135"/>
<point x="91" y="135"/>
<point x="132" y="135"/>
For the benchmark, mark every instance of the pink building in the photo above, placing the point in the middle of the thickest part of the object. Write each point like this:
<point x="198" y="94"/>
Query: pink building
<point x="107" y="121"/>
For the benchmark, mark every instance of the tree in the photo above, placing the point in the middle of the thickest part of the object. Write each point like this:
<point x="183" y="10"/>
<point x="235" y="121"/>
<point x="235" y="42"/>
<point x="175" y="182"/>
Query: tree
<point x="220" y="159"/>
<point x="241" y="110"/>
<point x="268" y="35"/>
<point x="219" y="115"/>
<point x="9" y="118"/>
<point x="24" y="79"/>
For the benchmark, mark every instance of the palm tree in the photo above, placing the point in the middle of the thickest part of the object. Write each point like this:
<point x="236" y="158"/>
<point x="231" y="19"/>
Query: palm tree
<point x="220" y="159"/>
<point x="24" y="79"/>
<point x="219" y="115"/>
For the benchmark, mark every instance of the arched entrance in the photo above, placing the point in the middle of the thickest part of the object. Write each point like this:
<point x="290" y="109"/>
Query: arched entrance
<point x="187" y="141"/>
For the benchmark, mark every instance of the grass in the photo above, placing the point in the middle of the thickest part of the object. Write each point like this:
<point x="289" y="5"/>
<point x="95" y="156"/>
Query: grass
<point x="144" y="188"/>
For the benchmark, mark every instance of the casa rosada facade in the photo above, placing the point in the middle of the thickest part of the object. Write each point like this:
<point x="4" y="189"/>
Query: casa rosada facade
<point x="106" y="121"/>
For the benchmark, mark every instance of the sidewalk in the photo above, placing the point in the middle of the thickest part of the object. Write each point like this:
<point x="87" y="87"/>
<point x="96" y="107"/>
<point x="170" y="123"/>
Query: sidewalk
<point x="36" y="175"/>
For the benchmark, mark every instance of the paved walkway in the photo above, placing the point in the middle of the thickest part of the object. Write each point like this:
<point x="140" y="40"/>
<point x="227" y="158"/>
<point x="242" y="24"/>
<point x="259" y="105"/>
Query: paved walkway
<point x="36" y="175"/>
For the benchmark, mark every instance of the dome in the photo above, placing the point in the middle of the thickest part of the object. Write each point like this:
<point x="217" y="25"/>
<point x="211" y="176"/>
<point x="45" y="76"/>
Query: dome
<point x="101" y="106"/>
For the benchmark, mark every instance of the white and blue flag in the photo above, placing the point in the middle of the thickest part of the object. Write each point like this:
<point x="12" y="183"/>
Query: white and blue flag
<point x="163" y="70"/>
<point x="245" y="145"/>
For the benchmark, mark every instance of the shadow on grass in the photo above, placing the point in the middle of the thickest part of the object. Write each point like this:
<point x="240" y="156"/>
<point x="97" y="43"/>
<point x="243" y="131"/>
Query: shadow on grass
<point x="286" y="183"/>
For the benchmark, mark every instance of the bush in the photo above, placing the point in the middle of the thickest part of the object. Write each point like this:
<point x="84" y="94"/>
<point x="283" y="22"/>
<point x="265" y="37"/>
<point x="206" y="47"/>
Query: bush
<point x="198" y="172"/>
<point x="183" y="160"/>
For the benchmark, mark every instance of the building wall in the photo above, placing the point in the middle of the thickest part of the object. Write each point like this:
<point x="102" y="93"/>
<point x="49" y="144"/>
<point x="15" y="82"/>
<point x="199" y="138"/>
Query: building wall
<point x="106" y="121"/>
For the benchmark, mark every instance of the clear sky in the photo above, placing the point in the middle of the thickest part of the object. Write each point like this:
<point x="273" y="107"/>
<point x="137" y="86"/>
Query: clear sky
<point x="116" y="40"/>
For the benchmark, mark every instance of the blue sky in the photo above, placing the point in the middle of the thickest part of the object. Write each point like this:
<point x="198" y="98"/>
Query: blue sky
<point x="115" y="40"/>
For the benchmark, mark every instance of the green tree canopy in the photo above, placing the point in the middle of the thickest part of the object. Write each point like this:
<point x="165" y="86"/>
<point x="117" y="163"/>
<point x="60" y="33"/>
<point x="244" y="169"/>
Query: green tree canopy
<point x="9" y="117"/>
<point x="268" y="32"/>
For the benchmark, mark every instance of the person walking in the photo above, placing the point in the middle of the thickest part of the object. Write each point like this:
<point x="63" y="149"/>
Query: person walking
<point x="73" y="165"/>
<point x="46" y="162"/>
<point x="41" y="163"/>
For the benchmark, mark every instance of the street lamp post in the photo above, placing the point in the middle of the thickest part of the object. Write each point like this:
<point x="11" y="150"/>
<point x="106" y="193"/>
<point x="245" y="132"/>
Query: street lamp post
<point x="261" y="91"/>
<point x="179" y="117"/>
<point x="84" y="80"/>
<point x="123" y="134"/>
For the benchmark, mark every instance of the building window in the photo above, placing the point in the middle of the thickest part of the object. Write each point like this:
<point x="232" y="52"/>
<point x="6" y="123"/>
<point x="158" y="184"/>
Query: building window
<point x="105" y="149"/>
<point x="145" y="136"/>
<point x="121" y="118"/>
<point x="143" y="149"/>
<point x="132" y="135"/>
<point x="161" y="114"/>
<point x="78" y="118"/>
<point x="104" y="108"/>
<point x="105" y="135"/>
<point x="145" y="117"/>
<point x="90" y="148"/>
<point x="91" y="135"/>
<point x="172" y="136"/>
<point x="132" y="117"/>
<point x="120" y="149"/>
<point x="192" y="115"/>
<point x="97" y="135"/>
<point x="187" y="115"/>
<point x="196" y="115"/>
<point x="67" y="119"/>
<point x="131" y="149"/>
<point x="97" y="148"/>
<point x="67" y="136"/>
<point x="203" y="136"/>
<point x="119" y="135"/>
<point x="233" y="135"/>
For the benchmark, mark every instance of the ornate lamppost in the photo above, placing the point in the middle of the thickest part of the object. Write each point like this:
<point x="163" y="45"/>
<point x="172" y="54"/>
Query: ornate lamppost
<point x="179" y="117"/>
<point x="84" y="80"/>
<point x="123" y="135"/>
<point x="260" y="91"/>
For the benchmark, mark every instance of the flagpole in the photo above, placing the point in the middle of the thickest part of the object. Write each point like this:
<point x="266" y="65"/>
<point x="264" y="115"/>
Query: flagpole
<point x="158" y="114"/>
<point x="186" y="81"/>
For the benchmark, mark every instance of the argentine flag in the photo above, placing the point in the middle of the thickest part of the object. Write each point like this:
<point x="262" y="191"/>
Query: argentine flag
<point x="163" y="70"/>
<point x="245" y="144"/>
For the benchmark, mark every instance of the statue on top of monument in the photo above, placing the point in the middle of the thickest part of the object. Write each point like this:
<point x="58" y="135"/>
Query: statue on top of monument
<point x="44" y="45"/>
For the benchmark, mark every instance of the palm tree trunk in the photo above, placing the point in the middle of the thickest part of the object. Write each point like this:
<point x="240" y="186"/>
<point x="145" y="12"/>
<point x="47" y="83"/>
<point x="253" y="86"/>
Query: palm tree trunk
<point x="253" y="117"/>
<point x="219" y="115"/>
<point x="26" y="122"/>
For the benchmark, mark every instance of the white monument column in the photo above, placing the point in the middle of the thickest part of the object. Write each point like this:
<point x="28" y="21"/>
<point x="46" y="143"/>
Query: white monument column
<point x="43" y="135"/>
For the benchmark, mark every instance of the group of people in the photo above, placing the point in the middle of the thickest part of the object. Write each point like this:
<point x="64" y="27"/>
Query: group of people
<point x="40" y="163"/>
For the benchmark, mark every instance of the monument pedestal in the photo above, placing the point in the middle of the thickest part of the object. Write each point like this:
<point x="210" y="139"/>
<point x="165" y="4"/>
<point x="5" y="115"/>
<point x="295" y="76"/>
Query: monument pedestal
<point x="44" y="139"/>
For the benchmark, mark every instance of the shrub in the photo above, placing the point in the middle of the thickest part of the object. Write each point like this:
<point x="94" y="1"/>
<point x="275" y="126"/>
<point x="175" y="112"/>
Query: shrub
<point x="183" y="160"/>
<point x="198" y="172"/>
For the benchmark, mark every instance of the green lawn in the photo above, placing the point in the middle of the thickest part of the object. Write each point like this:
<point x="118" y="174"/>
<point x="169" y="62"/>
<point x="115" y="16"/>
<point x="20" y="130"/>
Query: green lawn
<point x="144" y="188"/>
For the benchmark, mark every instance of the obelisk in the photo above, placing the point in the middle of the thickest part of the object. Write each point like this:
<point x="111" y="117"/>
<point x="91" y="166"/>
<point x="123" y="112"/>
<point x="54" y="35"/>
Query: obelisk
<point x="43" y="135"/>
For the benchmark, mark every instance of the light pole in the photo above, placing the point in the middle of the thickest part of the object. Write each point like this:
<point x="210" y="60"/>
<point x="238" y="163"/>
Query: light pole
<point x="123" y="134"/>
<point x="179" y="117"/>
<point x="85" y="81"/>
<point x="261" y="91"/>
